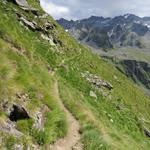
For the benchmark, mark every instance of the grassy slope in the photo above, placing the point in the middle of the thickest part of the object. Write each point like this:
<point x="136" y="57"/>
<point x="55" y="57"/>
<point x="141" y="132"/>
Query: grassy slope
<point x="22" y="70"/>
<point x="28" y="72"/>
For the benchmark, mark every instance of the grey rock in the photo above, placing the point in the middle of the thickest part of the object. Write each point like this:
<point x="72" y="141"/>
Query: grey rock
<point x="49" y="39"/>
<point x="39" y="120"/>
<point x="44" y="16"/>
<point x="25" y="6"/>
<point x="97" y="81"/>
<point x="23" y="97"/>
<point x="33" y="10"/>
<point x="18" y="147"/>
<point x="147" y="132"/>
<point x="92" y="94"/>
<point x="138" y="71"/>
<point x="22" y="3"/>
<point x="9" y="127"/>
<point x="28" y="24"/>
<point x="39" y="117"/>
<point x="48" y="26"/>
<point x="119" y="107"/>
<point x="4" y="2"/>
<point x="6" y="106"/>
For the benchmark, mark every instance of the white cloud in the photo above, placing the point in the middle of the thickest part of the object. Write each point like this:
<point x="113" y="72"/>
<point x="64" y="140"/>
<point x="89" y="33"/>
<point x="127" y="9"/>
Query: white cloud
<point x="55" y="10"/>
<point x="77" y="9"/>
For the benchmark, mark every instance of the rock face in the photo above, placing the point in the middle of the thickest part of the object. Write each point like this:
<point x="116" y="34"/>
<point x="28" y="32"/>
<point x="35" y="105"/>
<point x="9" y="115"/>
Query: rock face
<point x="28" y="24"/>
<point x="104" y="87"/>
<point x="40" y="117"/>
<point x="92" y="94"/>
<point x="139" y="71"/>
<point x="10" y="127"/>
<point x="24" y="5"/>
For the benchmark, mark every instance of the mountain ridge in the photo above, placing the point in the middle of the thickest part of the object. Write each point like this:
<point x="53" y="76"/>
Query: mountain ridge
<point x="119" y="31"/>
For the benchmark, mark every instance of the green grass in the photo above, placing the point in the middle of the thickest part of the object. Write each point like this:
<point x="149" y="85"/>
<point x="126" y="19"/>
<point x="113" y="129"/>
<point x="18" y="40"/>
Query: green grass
<point x="113" y="135"/>
<point x="27" y="73"/>
<point x="24" y="59"/>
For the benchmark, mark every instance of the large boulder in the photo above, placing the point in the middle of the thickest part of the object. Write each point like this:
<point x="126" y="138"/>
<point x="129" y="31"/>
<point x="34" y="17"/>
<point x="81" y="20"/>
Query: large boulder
<point x="28" y="24"/>
<point x="22" y="3"/>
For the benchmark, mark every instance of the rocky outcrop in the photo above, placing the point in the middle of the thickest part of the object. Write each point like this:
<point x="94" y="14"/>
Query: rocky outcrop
<point x="104" y="87"/>
<point x="139" y="71"/>
<point x="28" y="24"/>
<point x="32" y="25"/>
<point x="24" y="97"/>
<point x="10" y="128"/>
<point x="92" y="94"/>
<point x="97" y="81"/>
<point x="43" y="29"/>
<point x="40" y="118"/>
<point x="24" y="5"/>
<point x="147" y="132"/>
<point x="48" y="38"/>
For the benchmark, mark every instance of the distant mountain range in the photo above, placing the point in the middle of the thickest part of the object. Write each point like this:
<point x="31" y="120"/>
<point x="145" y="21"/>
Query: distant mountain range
<point x="122" y="31"/>
<point x="123" y="40"/>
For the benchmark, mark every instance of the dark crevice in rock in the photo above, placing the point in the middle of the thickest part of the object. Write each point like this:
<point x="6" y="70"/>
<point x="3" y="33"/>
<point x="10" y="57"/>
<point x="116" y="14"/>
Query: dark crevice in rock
<point x="18" y="113"/>
<point x="147" y="132"/>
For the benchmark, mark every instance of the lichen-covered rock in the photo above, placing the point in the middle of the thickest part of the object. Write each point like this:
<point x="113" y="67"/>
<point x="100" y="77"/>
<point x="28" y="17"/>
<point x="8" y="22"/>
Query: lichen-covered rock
<point x="39" y="117"/>
<point x="22" y="3"/>
<point x="27" y="23"/>
<point x="49" y="39"/>
<point x="25" y="6"/>
<point x="92" y="94"/>
<point x="23" y="97"/>
<point x="97" y="81"/>
<point x="147" y="132"/>
<point x="9" y="127"/>
<point x="48" y="26"/>
<point x="18" y="147"/>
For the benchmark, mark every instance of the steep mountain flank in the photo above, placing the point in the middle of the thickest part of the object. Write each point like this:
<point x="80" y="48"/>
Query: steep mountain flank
<point x="92" y="106"/>
<point x="134" y="63"/>
<point x="124" y="36"/>
<point x="138" y="71"/>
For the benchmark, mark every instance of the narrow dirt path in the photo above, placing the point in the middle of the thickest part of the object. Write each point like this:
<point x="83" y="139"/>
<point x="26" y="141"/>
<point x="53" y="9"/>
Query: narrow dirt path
<point x="72" y="140"/>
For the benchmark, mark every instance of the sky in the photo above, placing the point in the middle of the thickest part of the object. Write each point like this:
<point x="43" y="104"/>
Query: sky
<point x="79" y="9"/>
